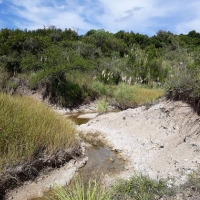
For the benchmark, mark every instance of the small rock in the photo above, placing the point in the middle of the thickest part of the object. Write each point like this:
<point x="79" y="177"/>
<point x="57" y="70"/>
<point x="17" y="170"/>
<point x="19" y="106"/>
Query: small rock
<point x="117" y="150"/>
<point x="111" y="160"/>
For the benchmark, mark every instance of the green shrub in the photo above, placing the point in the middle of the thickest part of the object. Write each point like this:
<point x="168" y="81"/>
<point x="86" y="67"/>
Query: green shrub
<point x="139" y="187"/>
<point x="194" y="181"/>
<point x="99" y="87"/>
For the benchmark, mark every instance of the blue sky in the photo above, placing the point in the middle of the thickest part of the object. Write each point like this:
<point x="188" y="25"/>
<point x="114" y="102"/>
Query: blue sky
<point x="142" y="16"/>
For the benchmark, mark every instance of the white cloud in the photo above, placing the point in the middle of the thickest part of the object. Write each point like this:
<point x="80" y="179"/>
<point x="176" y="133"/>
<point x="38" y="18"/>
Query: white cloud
<point x="130" y="15"/>
<point x="191" y="20"/>
<point x="188" y="26"/>
<point x="152" y="15"/>
<point x="67" y="14"/>
<point x="144" y="16"/>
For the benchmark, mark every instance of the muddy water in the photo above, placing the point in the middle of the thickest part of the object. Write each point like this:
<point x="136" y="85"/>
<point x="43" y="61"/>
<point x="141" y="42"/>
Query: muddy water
<point x="101" y="160"/>
<point x="76" y="120"/>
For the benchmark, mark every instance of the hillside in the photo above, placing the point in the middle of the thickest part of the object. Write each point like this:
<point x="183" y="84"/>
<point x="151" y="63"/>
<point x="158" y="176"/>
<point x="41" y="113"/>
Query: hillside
<point x="66" y="67"/>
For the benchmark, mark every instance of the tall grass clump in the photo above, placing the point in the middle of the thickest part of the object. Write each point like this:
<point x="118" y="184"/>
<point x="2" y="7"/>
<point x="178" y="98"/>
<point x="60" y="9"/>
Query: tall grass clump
<point x="146" y="95"/>
<point x="27" y="125"/>
<point x="102" y="106"/>
<point x="79" y="190"/>
<point x="140" y="187"/>
<point x="124" y="95"/>
<point x="131" y="96"/>
<point x="193" y="181"/>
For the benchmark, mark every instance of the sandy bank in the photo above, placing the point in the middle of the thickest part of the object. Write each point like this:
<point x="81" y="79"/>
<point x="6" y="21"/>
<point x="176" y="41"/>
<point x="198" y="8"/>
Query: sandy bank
<point x="161" y="141"/>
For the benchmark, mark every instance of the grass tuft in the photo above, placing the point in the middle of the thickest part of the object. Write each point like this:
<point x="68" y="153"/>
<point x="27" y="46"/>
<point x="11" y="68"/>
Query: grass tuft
<point x="139" y="187"/>
<point x="131" y="96"/>
<point x="102" y="106"/>
<point x="27" y="125"/>
<point x="78" y="190"/>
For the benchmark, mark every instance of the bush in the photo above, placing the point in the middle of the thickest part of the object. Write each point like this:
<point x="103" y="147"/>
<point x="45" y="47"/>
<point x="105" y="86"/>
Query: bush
<point x="100" y="88"/>
<point x="139" y="187"/>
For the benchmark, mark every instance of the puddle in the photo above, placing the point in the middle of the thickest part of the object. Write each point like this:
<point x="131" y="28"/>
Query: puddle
<point x="101" y="161"/>
<point x="78" y="121"/>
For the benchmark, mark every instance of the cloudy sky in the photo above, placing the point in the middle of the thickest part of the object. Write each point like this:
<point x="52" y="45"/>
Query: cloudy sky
<point x="142" y="16"/>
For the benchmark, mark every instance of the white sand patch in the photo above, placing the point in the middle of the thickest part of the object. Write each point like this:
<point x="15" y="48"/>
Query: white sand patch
<point x="162" y="141"/>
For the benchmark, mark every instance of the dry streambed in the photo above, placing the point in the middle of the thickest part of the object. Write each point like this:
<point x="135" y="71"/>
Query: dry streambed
<point x="161" y="141"/>
<point x="101" y="160"/>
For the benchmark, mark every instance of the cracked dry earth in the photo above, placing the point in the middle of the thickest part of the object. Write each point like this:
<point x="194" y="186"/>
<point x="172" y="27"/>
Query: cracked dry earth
<point x="162" y="141"/>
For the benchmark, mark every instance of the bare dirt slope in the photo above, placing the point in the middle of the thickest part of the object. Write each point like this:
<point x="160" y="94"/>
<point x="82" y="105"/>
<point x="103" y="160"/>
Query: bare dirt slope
<point x="162" y="141"/>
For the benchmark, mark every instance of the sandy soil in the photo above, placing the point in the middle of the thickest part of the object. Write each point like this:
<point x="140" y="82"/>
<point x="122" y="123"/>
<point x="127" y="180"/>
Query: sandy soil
<point x="162" y="141"/>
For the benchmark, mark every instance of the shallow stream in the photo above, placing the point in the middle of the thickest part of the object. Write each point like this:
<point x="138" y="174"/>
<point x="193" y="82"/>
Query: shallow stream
<point x="101" y="160"/>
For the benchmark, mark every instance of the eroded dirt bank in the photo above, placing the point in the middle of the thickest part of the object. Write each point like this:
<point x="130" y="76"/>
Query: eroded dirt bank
<point x="48" y="179"/>
<point x="162" y="141"/>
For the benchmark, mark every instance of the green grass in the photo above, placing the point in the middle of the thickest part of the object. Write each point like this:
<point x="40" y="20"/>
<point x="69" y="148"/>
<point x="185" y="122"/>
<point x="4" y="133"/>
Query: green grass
<point x="79" y="190"/>
<point x="145" y="95"/>
<point x="140" y="187"/>
<point x="27" y="125"/>
<point x="193" y="181"/>
<point x="129" y="96"/>
<point x="124" y="95"/>
<point x="100" y="88"/>
<point x="102" y="106"/>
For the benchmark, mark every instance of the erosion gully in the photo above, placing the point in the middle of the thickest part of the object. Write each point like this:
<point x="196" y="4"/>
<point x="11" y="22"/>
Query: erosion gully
<point x="101" y="159"/>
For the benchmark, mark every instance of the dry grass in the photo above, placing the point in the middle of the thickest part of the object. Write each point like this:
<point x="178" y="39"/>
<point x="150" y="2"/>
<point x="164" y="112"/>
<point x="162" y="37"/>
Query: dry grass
<point x="130" y="96"/>
<point x="27" y="125"/>
<point x="145" y="95"/>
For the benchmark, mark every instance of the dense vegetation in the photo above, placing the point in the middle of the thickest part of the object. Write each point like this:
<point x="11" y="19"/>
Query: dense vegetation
<point x="64" y="65"/>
